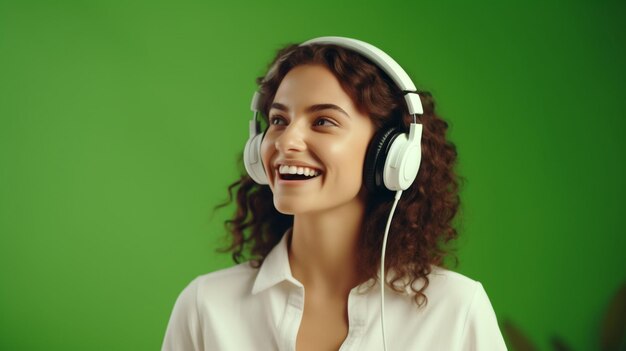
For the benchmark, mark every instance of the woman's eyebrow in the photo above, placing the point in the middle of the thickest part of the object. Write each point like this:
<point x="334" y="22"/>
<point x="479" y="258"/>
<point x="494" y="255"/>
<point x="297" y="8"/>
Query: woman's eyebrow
<point x="312" y="108"/>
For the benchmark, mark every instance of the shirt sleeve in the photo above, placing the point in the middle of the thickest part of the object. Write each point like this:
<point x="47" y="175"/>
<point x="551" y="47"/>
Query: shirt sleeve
<point x="183" y="330"/>
<point x="481" y="330"/>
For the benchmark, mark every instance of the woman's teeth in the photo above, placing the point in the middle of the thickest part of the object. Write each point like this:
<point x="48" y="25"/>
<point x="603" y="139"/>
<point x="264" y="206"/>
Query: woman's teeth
<point x="306" y="171"/>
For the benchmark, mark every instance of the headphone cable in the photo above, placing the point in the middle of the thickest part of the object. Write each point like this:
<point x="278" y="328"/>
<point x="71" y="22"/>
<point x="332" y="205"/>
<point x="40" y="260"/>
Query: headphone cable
<point x="382" y="267"/>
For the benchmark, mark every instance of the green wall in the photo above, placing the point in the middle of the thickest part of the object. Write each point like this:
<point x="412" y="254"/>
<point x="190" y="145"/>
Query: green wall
<point x="121" y="123"/>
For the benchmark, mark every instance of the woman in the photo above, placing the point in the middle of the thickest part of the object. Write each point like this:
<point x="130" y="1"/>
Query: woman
<point x="315" y="231"/>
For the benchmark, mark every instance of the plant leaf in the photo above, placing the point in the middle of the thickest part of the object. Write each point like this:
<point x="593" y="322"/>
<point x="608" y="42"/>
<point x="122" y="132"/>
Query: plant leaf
<point x="559" y="344"/>
<point x="613" y="332"/>
<point x="517" y="340"/>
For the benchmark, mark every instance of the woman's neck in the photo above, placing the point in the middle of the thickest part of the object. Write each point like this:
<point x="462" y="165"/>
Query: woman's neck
<point x="324" y="247"/>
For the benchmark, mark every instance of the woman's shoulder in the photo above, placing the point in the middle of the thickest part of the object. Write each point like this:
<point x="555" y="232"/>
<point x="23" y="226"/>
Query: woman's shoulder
<point x="225" y="286"/>
<point x="216" y="293"/>
<point x="443" y="289"/>
<point x="450" y="296"/>
<point x="226" y="274"/>
<point x="445" y="284"/>
<point x="461" y="298"/>
<point x="440" y="276"/>
<point x="454" y="302"/>
<point x="228" y="280"/>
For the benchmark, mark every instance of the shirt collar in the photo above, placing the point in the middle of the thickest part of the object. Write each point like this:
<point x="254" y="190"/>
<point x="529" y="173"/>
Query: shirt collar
<point x="275" y="267"/>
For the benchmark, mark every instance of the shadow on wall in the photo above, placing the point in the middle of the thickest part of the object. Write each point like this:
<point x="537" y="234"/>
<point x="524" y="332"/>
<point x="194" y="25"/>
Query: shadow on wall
<point x="612" y="330"/>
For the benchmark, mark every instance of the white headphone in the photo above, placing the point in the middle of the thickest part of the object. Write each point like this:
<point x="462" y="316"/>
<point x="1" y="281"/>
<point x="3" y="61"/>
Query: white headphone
<point x="393" y="158"/>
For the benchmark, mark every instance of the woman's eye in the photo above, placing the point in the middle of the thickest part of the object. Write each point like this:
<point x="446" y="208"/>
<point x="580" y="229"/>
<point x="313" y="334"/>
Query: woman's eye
<point x="277" y="120"/>
<point x="324" y="122"/>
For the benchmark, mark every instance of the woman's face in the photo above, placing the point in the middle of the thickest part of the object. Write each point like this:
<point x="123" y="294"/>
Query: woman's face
<point x="316" y="132"/>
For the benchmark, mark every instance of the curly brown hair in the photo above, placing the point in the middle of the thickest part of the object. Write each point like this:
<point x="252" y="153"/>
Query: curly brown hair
<point x="422" y="227"/>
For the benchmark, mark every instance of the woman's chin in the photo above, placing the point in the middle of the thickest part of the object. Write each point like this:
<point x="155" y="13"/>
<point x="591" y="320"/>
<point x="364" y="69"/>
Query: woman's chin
<point x="291" y="206"/>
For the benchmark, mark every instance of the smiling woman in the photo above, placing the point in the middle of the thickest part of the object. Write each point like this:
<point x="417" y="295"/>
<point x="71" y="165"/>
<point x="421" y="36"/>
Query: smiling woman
<point x="309" y="134"/>
<point x="342" y="137"/>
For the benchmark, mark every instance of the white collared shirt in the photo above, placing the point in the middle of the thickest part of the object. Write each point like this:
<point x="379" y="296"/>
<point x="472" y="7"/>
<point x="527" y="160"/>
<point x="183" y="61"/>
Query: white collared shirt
<point x="242" y="308"/>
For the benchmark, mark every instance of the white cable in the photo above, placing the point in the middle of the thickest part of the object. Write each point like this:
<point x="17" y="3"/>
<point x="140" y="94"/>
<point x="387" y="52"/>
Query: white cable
<point x="382" y="267"/>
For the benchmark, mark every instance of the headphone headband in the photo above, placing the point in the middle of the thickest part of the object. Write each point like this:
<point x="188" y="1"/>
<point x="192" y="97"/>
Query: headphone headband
<point x="377" y="56"/>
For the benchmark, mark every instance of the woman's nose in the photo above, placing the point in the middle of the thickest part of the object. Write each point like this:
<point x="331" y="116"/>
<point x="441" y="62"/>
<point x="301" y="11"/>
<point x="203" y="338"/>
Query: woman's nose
<point x="291" y="139"/>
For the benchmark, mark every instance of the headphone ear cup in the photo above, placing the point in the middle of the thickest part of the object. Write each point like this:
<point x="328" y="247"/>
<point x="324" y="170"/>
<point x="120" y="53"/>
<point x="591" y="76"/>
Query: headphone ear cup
<point x="252" y="159"/>
<point x="373" y="169"/>
<point x="403" y="159"/>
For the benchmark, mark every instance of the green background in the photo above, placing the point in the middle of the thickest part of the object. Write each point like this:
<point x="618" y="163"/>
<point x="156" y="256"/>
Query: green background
<point x="121" y="123"/>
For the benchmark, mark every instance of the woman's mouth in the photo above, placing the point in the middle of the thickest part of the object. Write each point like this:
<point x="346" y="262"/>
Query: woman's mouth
<point x="289" y="172"/>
